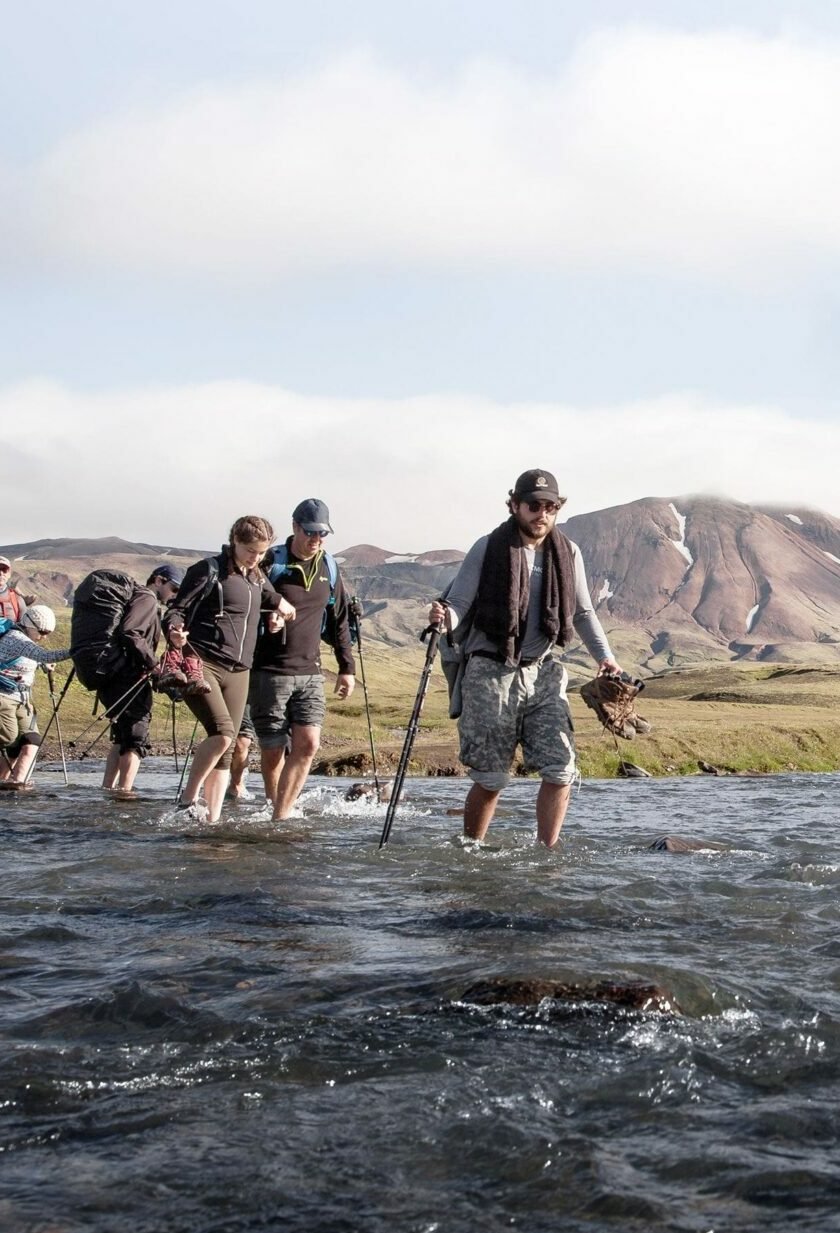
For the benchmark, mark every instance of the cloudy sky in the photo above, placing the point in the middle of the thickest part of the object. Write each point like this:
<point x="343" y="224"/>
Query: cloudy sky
<point x="392" y="253"/>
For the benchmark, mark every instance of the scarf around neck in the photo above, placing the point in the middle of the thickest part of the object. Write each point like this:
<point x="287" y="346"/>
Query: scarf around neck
<point x="504" y="590"/>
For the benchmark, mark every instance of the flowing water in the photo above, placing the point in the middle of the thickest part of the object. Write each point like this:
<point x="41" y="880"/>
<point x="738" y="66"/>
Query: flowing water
<point x="238" y="1029"/>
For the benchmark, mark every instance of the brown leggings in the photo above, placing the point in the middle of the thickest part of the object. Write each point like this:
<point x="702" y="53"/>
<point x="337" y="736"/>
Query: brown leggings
<point x="220" y="712"/>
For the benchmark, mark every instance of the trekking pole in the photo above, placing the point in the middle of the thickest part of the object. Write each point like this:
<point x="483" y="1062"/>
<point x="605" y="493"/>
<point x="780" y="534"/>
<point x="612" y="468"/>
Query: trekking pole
<point x="174" y="738"/>
<point x="54" y="717"/>
<point x="110" y="716"/>
<point x="108" y="713"/>
<point x="355" y="613"/>
<point x="186" y="761"/>
<point x="433" y="633"/>
<point x="51" y="683"/>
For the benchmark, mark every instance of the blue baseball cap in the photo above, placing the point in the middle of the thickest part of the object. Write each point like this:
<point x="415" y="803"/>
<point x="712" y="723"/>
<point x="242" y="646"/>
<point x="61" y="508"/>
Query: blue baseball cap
<point x="170" y="573"/>
<point x="312" y="515"/>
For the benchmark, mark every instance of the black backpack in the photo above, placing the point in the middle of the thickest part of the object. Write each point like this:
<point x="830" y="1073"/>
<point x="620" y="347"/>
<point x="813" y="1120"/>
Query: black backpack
<point x="98" y="609"/>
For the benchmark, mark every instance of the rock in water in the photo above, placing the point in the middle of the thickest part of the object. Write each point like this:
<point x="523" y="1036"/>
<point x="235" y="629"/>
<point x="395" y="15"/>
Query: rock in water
<point x="357" y="791"/>
<point x="629" y="995"/>
<point x="673" y="843"/>
<point x="629" y="770"/>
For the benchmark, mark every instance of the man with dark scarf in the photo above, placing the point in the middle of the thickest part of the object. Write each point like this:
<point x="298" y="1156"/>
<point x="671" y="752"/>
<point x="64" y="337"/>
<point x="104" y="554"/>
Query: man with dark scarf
<point x="523" y="589"/>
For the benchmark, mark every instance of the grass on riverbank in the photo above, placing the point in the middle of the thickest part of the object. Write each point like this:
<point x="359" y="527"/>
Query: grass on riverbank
<point x="740" y="717"/>
<point x="744" y="717"/>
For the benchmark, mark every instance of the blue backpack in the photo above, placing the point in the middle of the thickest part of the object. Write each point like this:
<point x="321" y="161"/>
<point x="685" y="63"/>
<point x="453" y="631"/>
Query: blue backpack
<point x="7" y="685"/>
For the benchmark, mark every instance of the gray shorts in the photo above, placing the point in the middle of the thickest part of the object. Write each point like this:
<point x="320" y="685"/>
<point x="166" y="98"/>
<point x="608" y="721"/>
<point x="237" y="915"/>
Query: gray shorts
<point x="246" y="728"/>
<point x="505" y="707"/>
<point x="277" y="702"/>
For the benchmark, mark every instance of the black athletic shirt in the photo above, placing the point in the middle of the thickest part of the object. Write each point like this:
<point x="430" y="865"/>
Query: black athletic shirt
<point x="306" y="584"/>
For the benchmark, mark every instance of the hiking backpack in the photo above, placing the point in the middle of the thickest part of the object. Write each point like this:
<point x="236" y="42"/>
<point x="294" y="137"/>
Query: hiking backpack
<point x="98" y="609"/>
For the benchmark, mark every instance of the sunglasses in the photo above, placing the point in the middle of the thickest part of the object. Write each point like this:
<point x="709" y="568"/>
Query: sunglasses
<point x="550" y="507"/>
<point x="312" y="534"/>
<point x="5" y="569"/>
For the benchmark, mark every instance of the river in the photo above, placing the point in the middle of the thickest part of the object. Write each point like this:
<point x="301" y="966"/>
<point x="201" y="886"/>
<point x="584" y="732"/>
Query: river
<point x="235" y="1028"/>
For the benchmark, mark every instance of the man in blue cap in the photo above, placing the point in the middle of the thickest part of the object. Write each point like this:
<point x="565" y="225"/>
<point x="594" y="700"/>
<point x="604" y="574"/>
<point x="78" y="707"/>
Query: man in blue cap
<point x="286" y="695"/>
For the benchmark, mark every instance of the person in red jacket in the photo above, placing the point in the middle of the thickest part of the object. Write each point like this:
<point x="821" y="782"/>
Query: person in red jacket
<point x="12" y="603"/>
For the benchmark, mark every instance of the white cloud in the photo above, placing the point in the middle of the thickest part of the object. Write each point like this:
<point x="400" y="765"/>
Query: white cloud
<point x="715" y="154"/>
<point x="178" y="464"/>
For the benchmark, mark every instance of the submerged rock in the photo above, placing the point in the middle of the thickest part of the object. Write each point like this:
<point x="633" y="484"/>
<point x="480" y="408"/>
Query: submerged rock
<point x="673" y="843"/>
<point x="626" y="995"/>
<point x="358" y="790"/>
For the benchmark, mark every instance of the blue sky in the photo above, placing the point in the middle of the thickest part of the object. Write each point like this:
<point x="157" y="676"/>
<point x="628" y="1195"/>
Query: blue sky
<point x="391" y="254"/>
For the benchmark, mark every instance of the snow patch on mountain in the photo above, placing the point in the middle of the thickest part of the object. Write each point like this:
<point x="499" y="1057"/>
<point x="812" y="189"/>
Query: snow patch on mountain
<point x="680" y="543"/>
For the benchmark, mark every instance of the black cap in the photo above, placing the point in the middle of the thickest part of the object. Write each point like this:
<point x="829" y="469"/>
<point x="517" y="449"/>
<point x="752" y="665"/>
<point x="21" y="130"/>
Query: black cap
<point x="312" y="515"/>
<point x="536" y="485"/>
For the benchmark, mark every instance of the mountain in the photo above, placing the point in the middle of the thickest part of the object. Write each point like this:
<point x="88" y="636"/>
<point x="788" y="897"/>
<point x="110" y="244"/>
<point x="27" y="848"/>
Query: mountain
<point x="362" y="555"/>
<point x="702" y="578"/>
<point x="51" y="569"/>
<point x="674" y="580"/>
<point x="58" y="549"/>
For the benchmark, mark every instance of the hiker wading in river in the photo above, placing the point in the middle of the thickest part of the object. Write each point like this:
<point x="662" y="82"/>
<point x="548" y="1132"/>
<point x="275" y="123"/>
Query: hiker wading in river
<point x="523" y="589"/>
<point x="287" y="697"/>
<point x="217" y="612"/>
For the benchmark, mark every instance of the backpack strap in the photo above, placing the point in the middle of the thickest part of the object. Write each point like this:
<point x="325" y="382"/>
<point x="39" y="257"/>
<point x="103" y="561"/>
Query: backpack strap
<point x="332" y="570"/>
<point x="212" y="582"/>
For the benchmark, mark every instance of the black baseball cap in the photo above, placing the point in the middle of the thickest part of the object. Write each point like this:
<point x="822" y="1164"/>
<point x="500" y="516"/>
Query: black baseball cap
<point x="536" y="485"/>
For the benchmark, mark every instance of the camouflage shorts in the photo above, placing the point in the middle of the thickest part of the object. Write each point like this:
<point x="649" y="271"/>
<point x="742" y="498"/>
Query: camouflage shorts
<point x="505" y="707"/>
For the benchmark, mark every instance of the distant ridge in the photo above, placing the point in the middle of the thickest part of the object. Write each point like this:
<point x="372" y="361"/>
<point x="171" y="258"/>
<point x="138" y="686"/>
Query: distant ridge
<point x="674" y="581"/>
<point x="361" y="555"/>
<point x="51" y="569"/>
<point x="50" y="549"/>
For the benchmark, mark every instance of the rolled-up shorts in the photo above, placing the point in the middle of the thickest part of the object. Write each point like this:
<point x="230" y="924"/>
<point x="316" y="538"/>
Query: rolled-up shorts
<point x="505" y="707"/>
<point x="277" y="702"/>
<point x="129" y="699"/>
<point x="18" y="726"/>
<point x="246" y="728"/>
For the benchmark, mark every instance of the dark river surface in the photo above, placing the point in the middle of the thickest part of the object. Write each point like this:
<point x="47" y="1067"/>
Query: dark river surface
<point x="239" y="1029"/>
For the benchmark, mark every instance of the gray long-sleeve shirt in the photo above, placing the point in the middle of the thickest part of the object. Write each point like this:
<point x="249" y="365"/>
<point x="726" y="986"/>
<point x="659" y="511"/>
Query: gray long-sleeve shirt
<point x="19" y="657"/>
<point x="464" y="588"/>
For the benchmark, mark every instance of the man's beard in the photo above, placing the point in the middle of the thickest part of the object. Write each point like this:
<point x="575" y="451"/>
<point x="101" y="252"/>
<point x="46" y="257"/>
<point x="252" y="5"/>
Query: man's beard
<point x="531" y="531"/>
